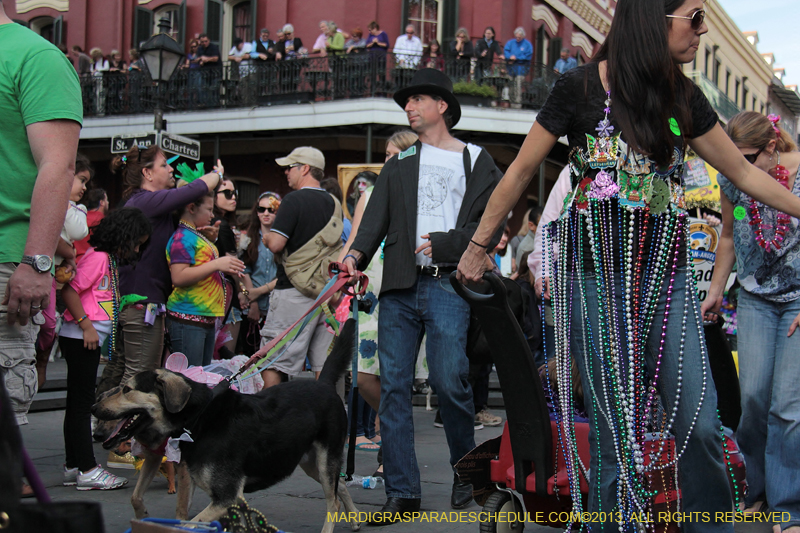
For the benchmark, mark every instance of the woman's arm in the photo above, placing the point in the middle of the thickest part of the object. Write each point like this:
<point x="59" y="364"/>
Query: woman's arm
<point x="91" y="340"/>
<point x="724" y="261"/>
<point x="362" y="202"/>
<point x="720" y="152"/>
<point x="537" y="145"/>
<point x="166" y="201"/>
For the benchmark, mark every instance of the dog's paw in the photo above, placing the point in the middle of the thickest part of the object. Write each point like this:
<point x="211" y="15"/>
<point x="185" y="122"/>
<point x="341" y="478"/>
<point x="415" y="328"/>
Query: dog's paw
<point x="355" y="526"/>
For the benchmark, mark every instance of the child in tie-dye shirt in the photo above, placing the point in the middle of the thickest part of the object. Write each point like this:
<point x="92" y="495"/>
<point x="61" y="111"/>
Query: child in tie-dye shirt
<point x="198" y="297"/>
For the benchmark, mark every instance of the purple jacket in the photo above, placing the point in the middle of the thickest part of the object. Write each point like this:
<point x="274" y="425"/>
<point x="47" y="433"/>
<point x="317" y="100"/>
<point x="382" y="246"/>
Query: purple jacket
<point x="151" y="277"/>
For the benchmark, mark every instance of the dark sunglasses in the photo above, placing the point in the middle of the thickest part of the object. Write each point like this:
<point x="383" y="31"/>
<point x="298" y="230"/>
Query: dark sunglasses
<point x="262" y="209"/>
<point x="751" y="158"/>
<point x="697" y="18"/>
<point x="229" y="193"/>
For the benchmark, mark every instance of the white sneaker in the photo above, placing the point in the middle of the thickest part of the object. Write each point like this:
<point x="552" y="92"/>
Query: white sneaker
<point x="70" y="476"/>
<point x="100" y="479"/>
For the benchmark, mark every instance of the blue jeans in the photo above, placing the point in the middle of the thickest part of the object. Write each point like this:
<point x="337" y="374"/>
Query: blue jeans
<point x="704" y="482"/>
<point x="406" y="315"/>
<point x="769" y="431"/>
<point x="195" y="342"/>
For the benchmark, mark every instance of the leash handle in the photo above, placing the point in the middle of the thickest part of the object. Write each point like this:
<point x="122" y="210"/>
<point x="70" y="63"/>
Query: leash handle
<point x="359" y="287"/>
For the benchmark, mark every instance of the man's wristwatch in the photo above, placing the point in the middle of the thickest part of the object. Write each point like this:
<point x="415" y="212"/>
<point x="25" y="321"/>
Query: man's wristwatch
<point x="40" y="263"/>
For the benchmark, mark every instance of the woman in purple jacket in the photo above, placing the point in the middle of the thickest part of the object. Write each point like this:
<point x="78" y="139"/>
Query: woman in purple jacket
<point x="150" y="186"/>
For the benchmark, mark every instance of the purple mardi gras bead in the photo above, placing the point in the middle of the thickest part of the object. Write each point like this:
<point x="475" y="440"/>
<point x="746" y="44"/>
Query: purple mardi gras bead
<point x="603" y="186"/>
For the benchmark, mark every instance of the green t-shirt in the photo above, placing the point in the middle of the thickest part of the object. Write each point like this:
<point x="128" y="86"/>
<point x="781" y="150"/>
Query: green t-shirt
<point x="37" y="83"/>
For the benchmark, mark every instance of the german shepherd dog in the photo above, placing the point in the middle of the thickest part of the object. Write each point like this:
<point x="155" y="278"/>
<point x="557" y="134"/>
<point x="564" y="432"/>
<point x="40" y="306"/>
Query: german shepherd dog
<point x="241" y="443"/>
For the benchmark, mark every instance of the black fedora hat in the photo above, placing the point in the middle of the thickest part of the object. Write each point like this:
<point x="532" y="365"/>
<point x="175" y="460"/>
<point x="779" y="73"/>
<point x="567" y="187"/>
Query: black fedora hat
<point x="433" y="83"/>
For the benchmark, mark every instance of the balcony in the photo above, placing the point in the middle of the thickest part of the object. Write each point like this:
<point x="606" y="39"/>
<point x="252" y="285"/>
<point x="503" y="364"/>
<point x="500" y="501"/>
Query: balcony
<point x="724" y="106"/>
<point x="302" y="81"/>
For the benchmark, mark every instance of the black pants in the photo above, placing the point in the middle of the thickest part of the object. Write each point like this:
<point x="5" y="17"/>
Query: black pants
<point x="479" y="380"/>
<point x="81" y="379"/>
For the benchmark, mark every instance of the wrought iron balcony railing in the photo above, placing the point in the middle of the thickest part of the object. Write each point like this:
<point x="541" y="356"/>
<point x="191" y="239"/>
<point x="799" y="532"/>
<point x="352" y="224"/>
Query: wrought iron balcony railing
<point x="233" y="85"/>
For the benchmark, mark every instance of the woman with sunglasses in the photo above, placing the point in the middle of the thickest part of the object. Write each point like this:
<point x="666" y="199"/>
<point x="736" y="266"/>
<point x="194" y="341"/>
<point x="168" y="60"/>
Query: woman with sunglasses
<point x="225" y="202"/>
<point x="260" y="272"/>
<point x="624" y="303"/>
<point x="766" y="243"/>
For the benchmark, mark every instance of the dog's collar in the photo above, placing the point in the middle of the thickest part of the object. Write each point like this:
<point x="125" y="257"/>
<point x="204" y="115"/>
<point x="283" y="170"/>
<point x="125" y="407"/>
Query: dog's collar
<point x="221" y="387"/>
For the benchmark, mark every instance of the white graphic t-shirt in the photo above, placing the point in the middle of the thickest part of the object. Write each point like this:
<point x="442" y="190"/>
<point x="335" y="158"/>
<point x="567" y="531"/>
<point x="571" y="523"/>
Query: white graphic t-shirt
<point x="442" y="183"/>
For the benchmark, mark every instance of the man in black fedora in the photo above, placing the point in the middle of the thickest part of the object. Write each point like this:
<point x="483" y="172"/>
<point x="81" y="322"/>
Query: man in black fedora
<point x="426" y="204"/>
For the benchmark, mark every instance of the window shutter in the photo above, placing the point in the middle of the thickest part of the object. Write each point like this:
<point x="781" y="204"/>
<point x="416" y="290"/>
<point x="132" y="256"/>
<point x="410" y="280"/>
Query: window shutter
<point x="213" y="21"/>
<point x="58" y="30"/>
<point x="253" y="20"/>
<point x="181" y="22"/>
<point x="142" y="26"/>
<point x="449" y="20"/>
<point x="555" y="51"/>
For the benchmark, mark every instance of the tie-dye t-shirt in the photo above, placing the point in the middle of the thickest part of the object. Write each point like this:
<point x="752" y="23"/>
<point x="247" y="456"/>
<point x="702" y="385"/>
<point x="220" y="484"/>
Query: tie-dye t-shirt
<point x="206" y="297"/>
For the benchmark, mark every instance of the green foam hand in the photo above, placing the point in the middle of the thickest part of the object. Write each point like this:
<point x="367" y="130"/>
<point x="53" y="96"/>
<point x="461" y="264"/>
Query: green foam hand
<point x="187" y="174"/>
<point x="130" y="299"/>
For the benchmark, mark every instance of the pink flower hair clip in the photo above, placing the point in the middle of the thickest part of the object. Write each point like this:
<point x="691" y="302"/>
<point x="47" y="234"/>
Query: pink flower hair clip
<point x="775" y="119"/>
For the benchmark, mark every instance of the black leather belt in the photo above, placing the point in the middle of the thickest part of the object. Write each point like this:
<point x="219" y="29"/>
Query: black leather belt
<point x="435" y="271"/>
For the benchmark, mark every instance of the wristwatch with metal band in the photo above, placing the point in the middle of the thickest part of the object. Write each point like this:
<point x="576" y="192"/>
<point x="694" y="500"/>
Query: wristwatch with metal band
<point x="40" y="263"/>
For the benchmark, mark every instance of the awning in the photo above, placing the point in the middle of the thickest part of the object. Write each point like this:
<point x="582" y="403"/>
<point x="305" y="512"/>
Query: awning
<point x="789" y="98"/>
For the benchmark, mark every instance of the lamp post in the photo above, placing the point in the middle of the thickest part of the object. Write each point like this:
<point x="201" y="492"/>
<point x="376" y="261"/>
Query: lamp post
<point x="162" y="56"/>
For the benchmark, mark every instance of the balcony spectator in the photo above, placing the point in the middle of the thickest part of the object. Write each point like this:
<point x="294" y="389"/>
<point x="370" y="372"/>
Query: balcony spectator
<point x="433" y="58"/>
<point x="377" y="41"/>
<point x="99" y="62"/>
<point x="290" y="46"/>
<point x="460" y="55"/>
<point x="191" y="55"/>
<point x="208" y="57"/>
<point x="356" y="44"/>
<point x="84" y="62"/>
<point x="485" y="50"/>
<point x="518" y="53"/>
<point x="321" y="44"/>
<point x="136" y="61"/>
<point x="335" y="41"/>
<point x="116" y="63"/>
<point x="565" y="62"/>
<point x="240" y="53"/>
<point x="408" y="49"/>
<point x="208" y="53"/>
<point x="263" y="48"/>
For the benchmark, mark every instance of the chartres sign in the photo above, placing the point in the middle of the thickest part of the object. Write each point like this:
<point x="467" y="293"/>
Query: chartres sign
<point x="170" y="143"/>
<point x="183" y="146"/>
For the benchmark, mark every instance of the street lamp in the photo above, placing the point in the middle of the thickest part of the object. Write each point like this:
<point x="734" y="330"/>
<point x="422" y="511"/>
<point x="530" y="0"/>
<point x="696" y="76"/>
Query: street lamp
<point x="162" y="56"/>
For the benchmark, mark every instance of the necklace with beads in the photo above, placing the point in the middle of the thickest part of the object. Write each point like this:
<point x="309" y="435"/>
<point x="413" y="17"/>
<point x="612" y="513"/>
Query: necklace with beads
<point x="215" y="252"/>
<point x="628" y="277"/>
<point x="114" y="274"/>
<point x="783" y="220"/>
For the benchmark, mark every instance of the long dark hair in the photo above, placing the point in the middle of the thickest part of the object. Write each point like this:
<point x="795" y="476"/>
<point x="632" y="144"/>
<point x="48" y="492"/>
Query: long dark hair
<point x="647" y="86"/>
<point x="250" y="255"/>
<point x="229" y="216"/>
<point x="120" y="232"/>
<point x="131" y="165"/>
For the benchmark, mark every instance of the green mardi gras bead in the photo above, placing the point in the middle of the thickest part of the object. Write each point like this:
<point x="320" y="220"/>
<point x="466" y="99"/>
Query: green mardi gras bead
<point x="673" y="126"/>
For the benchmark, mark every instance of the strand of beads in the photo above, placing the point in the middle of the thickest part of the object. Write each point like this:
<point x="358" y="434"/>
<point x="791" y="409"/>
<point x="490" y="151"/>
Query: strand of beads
<point x="783" y="220"/>
<point x="114" y="273"/>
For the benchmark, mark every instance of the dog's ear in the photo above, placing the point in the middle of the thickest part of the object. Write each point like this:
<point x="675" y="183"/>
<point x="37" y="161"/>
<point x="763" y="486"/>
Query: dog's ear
<point x="176" y="391"/>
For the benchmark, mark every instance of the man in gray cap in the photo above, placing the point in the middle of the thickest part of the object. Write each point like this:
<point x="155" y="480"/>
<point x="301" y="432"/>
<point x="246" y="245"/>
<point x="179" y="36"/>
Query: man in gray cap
<point x="426" y="204"/>
<point x="305" y="238"/>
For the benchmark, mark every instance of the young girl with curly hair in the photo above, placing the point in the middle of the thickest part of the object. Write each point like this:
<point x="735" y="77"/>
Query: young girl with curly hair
<point x="93" y="301"/>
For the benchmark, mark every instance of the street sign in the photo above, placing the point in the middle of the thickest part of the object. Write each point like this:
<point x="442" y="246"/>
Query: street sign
<point x="183" y="146"/>
<point x="120" y="144"/>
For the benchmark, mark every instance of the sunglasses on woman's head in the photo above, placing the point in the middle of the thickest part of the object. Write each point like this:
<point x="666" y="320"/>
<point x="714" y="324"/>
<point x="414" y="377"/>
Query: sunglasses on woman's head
<point x="697" y="18"/>
<point x="229" y="193"/>
<point x="261" y="209"/>
<point x="751" y="158"/>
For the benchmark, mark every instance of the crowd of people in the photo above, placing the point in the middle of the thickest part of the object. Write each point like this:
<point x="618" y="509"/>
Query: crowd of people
<point x="172" y="269"/>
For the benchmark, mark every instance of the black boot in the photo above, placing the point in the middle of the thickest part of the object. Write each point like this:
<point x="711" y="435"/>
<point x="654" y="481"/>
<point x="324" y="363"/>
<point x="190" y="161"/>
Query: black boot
<point x="462" y="494"/>
<point x="396" y="510"/>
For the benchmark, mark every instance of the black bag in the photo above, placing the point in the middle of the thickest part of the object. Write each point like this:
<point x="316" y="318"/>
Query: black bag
<point x="723" y="371"/>
<point x="44" y="516"/>
<point x="478" y="351"/>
